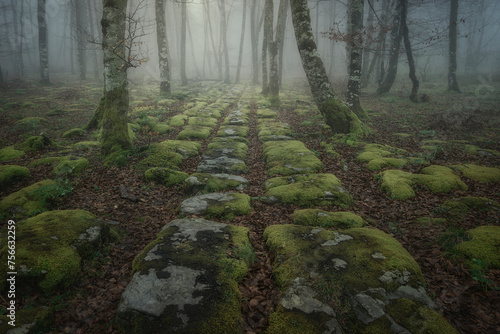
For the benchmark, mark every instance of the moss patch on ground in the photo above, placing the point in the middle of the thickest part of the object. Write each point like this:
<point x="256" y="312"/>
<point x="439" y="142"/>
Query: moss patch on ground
<point x="187" y="149"/>
<point x="437" y="179"/>
<point x="30" y="200"/>
<point x="484" y="245"/>
<point x="10" y="153"/>
<point x="161" y="155"/>
<point x="378" y="157"/>
<point x="469" y="203"/>
<point x="203" y="121"/>
<point x="165" y="176"/>
<point x="231" y="149"/>
<point x="268" y="128"/>
<point x="194" y="132"/>
<point x="36" y="143"/>
<point x="233" y="130"/>
<point x="77" y="132"/>
<point x="211" y="183"/>
<point x="10" y="174"/>
<point x="320" y="218"/>
<point x="290" y="157"/>
<point x="479" y="173"/>
<point x="239" y="205"/>
<point x="71" y="165"/>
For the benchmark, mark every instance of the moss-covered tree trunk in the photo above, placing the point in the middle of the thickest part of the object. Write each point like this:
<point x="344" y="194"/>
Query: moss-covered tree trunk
<point x="409" y="53"/>
<point x="355" y="49"/>
<point x="80" y="28"/>
<point x="275" y="49"/>
<point x="115" y="136"/>
<point x="452" y="66"/>
<point x="280" y="35"/>
<point x="336" y="114"/>
<point x="267" y="39"/>
<point x="161" y="39"/>
<point x="43" y="44"/>
<point x="184" y="80"/>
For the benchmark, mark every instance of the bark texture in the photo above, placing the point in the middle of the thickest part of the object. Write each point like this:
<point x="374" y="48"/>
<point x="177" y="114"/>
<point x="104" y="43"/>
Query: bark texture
<point x="267" y="39"/>
<point x="223" y="23"/>
<point x="161" y="39"/>
<point x="409" y="53"/>
<point x="80" y="22"/>
<point x="242" y="41"/>
<point x="336" y="114"/>
<point x="452" y="66"/>
<point x="184" y="80"/>
<point x="43" y="45"/>
<point x="114" y="136"/>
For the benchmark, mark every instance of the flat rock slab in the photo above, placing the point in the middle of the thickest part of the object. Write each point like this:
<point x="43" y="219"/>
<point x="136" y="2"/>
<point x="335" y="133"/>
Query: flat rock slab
<point x="198" y="182"/>
<point x="365" y="272"/>
<point x="225" y="205"/>
<point x="289" y="158"/>
<point x="186" y="281"/>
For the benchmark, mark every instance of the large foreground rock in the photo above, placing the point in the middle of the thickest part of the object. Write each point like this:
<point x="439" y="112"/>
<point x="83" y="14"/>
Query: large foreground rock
<point x="361" y="278"/>
<point x="186" y="281"/>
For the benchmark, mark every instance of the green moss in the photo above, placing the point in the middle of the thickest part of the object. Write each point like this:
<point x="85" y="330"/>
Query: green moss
<point x="52" y="245"/>
<point x="308" y="190"/>
<point x="35" y="143"/>
<point x="35" y="320"/>
<point x="187" y="149"/>
<point x="290" y="157"/>
<point x="161" y="128"/>
<point x="315" y="217"/>
<point x="474" y="150"/>
<point x="402" y="135"/>
<point x="377" y="157"/>
<point x="266" y="113"/>
<point x="272" y="128"/>
<point x="295" y="322"/>
<point x="341" y="119"/>
<point x="194" y="132"/>
<point x="202" y="121"/>
<point x="238" y="150"/>
<point x="329" y="149"/>
<point x="86" y="145"/>
<point x="165" y="176"/>
<point x="10" y="174"/>
<point x="161" y="155"/>
<point x="479" y="173"/>
<point x="25" y="203"/>
<point x="71" y="165"/>
<point x="77" y="132"/>
<point x="210" y="183"/>
<point x="238" y="206"/>
<point x="468" y="203"/>
<point x="30" y="123"/>
<point x="10" y="153"/>
<point x="484" y="245"/>
<point x="178" y="120"/>
<point x="380" y="163"/>
<point x="417" y="318"/>
<point x="233" y="130"/>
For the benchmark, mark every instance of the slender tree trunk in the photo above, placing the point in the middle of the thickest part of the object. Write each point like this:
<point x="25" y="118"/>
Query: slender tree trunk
<point x="242" y="41"/>
<point x="222" y="8"/>
<point x="161" y="39"/>
<point x="365" y="78"/>
<point x="184" y="80"/>
<point x="43" y="45"/>
<point x="355" y="51"/>
<point x="336" y="114"/>
<point x="255" y="41"/>
<point x="1" y="74"/>
<point x="274" y="47"/>
<point x="114" y="136"/>
<point x="267" y="38"/>
<point x="280" y="35"/>
<point x="72" y="36"/>
<point x="192" y="48"/>
<point x="396" y="35"/>
<point x="452" y="67"/>
<point x="409" y="54"/>
<point x="215" y="52"/>
<point x="80" y="19"/>
<point x="93" y="31"/>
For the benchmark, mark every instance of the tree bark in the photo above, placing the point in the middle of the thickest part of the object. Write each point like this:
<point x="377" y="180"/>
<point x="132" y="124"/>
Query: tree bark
<point x="365" y="77"/>
<point x="274" y="49"/>
<point x="267" y="38"/>
<point x="215" y="52"/>
<point x="222" y="8"/>
<point x="114" y="136"/>
<point x="396" y="35"/>
<point x="280" y="35"/>
<point x="43" y="45"/>
<point x="161" y="39"/>
<point x="335" y="113"/>
<point x="409" y="54"/>
<point x="184" y="80"/>
<point x="255" y="41"/>
<point x="355" y="51"/>
<point x="452" y="66"/>
<point x="242" y="41"/>
<point x="82" y="66"/>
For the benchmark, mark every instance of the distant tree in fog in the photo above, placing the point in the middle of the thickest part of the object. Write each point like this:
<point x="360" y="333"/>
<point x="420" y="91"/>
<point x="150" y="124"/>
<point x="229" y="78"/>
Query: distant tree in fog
<point x="161" y="38"/>
<point x="43" y="44"/>
<point x="452" y="66"/>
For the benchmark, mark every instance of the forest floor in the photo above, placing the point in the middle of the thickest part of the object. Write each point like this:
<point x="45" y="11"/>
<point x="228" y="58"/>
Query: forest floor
<point x="468" y="300"/>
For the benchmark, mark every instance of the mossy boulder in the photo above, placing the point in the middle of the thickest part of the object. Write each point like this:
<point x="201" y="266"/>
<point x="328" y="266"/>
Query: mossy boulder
<point x="29" y="200"/>
<point x="289" y="158"/>
<point x="71" y="165"/>
<point x="230" y="149"/>
<point x="474" y="150"/>
<point x="231" y="130"/>
<point x="203" y="121"/>
<point x="10" y="174"/>
<point x="178" y="120"/>
<point x="438" y="179"/>
<point x="30" y="123"/>
<point x="323" y="273"/>
<point x="187" y="149"/>
<point x="36" y="143"/>
<point x="165" y="176"/>
<point x="320" y="218"/>
<point x="266" y="113"/>
<point x="479" y="173"/>
<point x="469" y="203"/>
<point x="77" y="132"/>
<point x="273" y="128"/>
<point x="186" y="280"/>
<point x="204" y="182"/>
<point x="378" y="157"/>
<point x="307" y="190"/>
<point x="28" y="320"/>
<point x="51" y="246"/>
<point x="194" y="132"/>
<point x="86" y="145"/>
<point x="10" y="153"/>
<point x="161" y="155"/>
<point x="224" y="205"/>
<point x="484" y="245"/>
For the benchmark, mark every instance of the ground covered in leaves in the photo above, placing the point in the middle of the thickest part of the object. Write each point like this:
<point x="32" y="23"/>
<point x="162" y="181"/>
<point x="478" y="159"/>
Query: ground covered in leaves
<point x="448" y="129"/>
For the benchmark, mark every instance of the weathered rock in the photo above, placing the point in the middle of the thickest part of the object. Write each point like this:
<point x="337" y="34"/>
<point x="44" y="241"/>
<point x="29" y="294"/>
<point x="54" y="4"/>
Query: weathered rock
<point x="28" y="321"/>
<point x="10" y="153"/>
<point x="320" y="218"/>
<point x="203" y="182"/>
<point x="166" y="176"/>
<point x="186" y="281"/>
<point x="479" y="173"/>
<point x="484" y="246"/>
<point x="71" y="165"/>
<point x="10" y="174"/>
<point x="222" y="164"/>
<point x="225" y="205"/>
<point x="289" y="158"/>
<point x="29" y="200"/>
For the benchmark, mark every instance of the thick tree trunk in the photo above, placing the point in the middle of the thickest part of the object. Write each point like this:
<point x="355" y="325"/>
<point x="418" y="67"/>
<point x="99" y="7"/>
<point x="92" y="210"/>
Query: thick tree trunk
<point x="43" y="45"/>
<point x="267" y="39"/>
<point x="254" y="36"/>
<point x="452" y="66"/>
<point x="80" y="22"/>
<point x="93" y="31"/>
<point x="184" y="80"/>
<point x="114" y="136"/>
<point x="336" y="114"/>
<point x="161" y="39"/>
<point x="280" y="35"/>
<point x="242" y="41"/>
<point x="409" y="54"/>
<point x="365" y="77"/>
<point x="396" y="35"/>
<point x="355" y="51"/>
<point x="222" y="8"/>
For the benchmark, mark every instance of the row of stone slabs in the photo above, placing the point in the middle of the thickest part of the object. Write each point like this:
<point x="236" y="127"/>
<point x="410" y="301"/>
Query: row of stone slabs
<point x="186" y="281"/>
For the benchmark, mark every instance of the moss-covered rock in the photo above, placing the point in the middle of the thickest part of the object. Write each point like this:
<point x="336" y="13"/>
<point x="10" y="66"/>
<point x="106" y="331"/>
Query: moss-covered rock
<point x="231" y="130"/>
<point x="484" y="245"/>
<point x="161" y="155"/>
<point x="273" y="128"/>
<point x="86" y="145"/>
<point x="178" y="120"/>
<point x="479" y="173"/>
<point x="378" y="157"/>
<point x="307" y="190"/>
<point x="474" y="150"/>
<point x="36" y="143"/>
<point x="203" y="121"/>
<point x="10" y="174"/>
<point x="230" y="149"/>
<point x="320" y="218"/>
<point x="469" y="203"/>
<point x="266" y="113"/>
<point x="71" y="165"/>
<point x="10" y="153"/>
<point x="51" y="246"/>
<point x="28" y="320"/>
<point x="204" y="182"/>
<point x="187" y="149"/>
<point x="186" y="280"/>
<point x="224" y="205"/>
<point x="29" y="200"/>
<point x="437" y="179"/>
<point x="165" y="176"/>
<point x="194" y="132"/>
<point x="290" y="157"/>
<point x="77" y="132"/>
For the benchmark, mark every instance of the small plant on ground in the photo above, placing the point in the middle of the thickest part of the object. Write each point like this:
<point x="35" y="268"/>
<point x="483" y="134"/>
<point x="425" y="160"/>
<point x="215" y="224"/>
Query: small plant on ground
<point x="478" y="272"/>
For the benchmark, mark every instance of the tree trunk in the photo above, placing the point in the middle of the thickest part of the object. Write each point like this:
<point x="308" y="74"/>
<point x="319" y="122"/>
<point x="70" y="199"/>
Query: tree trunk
<point x="274" y="47"/>
<point x="280" y="36"/>
<point x="184" y="80"/>
<point x="222" y="8"/>
<point x="365" y="77"/>
<point x="396" y="35"/>
<point x="161" y="39"/>
<point x="215" y="52"/>
<point x="255" y="42"/>
<point x="267" y="38"/>
<point x="409" y="54"/>
<point x="355" y="51"/>
<point x="336" y="114"/>
<point x="114" y="136"/>
<point x="242" y="41"/>
<point x="1" y="74"/>
<point x="82" y="66"/>
<point x="43" y="45"/>
<point x="452" y="66"/>
<point x="93" y="31"/>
